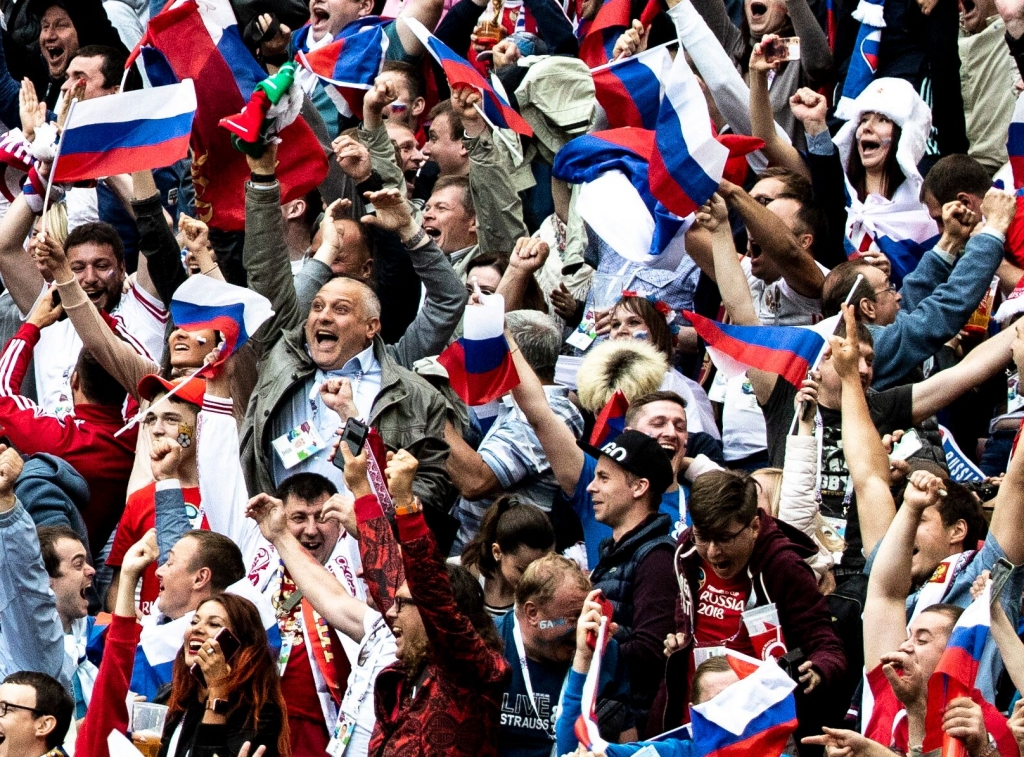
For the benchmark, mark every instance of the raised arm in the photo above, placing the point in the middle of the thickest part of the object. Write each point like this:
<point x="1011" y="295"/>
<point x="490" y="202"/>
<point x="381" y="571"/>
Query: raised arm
<point x="374" y="135"/>
<point x="828" y="179"/>
<point x="762" y="117"/>
<point x="790" y="254"/>
<point x="1008" y="514"/>
<point x="528" y="257"/>
<point x="324" y="591"/>
<point x="815" y="57"/>
<point x="555" y="437"/>
<point x="869" y="467"/>
<point x="428" y="13"/>
<point x="160" y="269"/>
<point x="170" y="515"/>
<point x="20" y="276"/>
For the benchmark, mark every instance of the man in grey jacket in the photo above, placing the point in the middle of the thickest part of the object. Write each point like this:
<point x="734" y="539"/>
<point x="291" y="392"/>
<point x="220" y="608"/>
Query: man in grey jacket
<point x="319" y="368"/>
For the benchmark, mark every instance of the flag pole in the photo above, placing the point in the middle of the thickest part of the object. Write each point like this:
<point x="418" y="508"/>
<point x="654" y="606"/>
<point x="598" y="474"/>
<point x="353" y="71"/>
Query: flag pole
<point x="53" y="168"/>
<point x="821" y="353"/>
<point x="617" y="61"/>
<point x="174" y="390"/>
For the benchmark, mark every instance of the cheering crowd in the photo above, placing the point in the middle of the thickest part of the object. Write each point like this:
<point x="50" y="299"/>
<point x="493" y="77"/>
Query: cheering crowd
<point x="511" y="377"/>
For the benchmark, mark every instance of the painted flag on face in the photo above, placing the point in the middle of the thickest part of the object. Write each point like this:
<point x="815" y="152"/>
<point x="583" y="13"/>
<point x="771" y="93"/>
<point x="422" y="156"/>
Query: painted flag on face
<point x="479" y="365"/>
<point x="461" y="74"/>
<point x="788" y="351"/>
<point x="126" y="132"/>
<point x="206" y="303"/>
<point x="630" y="90"/>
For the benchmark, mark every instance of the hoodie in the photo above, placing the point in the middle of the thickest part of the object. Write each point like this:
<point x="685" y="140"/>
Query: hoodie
<point x="778" y="573"/>
<point x="53" y="493"/>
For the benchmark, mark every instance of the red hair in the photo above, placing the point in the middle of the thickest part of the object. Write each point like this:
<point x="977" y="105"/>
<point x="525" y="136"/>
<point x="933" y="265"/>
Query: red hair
<point x="253" y="681"/>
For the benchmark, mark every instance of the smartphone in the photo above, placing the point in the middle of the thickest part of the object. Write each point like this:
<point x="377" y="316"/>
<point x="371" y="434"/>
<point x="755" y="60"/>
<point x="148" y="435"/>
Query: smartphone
<point x="55" y="298"/>
<point x="906" y="446"/>
<point x="229" y="645"/>
<point x="782" y="49"/>
<point x="999" y="574"/>
<point x="354" y="435"/>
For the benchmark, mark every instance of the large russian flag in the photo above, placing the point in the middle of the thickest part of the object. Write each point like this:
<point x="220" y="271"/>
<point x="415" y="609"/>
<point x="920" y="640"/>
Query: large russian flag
<point x="687" y="162"/>
<point x="756" y="715"/>
<point x="479" y="365"/>
<point x="789" y="351"/>
<point x="630" y="90"/>
<point x="349" y="64"/>
<point x="616" y="199"/>
<point x="957" y="670"/>
<point x="612" y="19"/>
<point x="202" y="42"/>
<point x="126" y="132"/>
<point x="206" y="303"/>
<point x="460" y="73"/>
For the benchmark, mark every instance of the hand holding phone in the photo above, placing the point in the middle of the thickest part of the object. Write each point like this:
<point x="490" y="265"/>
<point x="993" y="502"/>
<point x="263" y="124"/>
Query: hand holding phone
<point x="781" y="50"/>
<point x="354" y="435"/>
<point x="229" y="646"/>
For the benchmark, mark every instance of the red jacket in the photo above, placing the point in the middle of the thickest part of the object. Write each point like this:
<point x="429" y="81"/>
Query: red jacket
<point x="85" y="440"/>
<point x="456" y="709"/>
<point x="108" y="710"/>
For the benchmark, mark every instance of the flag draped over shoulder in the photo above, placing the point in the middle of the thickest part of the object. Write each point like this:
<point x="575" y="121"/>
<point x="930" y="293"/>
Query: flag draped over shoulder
<point x="348" y="65"/>
<point x="460" y="73"/>
<point x="206" y="303"/>
<point x="203" y="43"/>
<point x="789" y="351"/>
<point x="479" y="365"/>
<point x="126" y="132"/>
<point x="756" y="715"/>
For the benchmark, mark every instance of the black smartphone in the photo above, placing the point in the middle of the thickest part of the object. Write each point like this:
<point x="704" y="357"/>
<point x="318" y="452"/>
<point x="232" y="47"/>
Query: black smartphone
<point x="229" y="645"/>
<point x="55" y="298"/>
<point x="354" y="435"/>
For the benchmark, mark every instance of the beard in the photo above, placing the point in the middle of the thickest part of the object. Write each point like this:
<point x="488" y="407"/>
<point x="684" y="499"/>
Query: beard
<point x="414" y="657"/>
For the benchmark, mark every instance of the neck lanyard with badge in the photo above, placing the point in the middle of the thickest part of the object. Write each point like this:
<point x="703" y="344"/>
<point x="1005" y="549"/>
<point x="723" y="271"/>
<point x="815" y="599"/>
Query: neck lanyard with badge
<point x="346" y="724"/>
<point x="517" y="637"/>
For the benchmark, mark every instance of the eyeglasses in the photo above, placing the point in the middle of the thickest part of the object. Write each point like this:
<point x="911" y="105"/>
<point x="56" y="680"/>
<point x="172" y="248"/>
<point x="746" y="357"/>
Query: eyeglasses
<point x="890" y="287"/>
<point x="403" y="602"/>
<point x="721" y="541"/>
<point x="5" y="706"/>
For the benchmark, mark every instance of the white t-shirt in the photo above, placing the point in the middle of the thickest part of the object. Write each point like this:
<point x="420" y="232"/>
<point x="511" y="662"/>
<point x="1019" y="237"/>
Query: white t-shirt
<point x="743" y="429"/>
<point x="777" y="304"/>
<point x="140" y="318"/>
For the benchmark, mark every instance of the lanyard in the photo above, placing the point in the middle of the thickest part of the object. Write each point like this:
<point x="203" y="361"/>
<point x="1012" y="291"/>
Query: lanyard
<point x="517" y="637"/>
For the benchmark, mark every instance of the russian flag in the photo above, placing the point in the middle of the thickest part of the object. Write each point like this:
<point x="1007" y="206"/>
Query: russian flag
<point x="126" y="132"/>
<point x="630" y="90"/>
<point x="789" y="351"/>
<point x="1015" y="145"/>
<point x="206" y="303"/>
<point x="687" y="161"/>
<point x="159" y="644"/>
<point x="611" y="421"/>
<point x="616" y="199"/>
<point x="202" y="42"/>
<point x="479" y="365"/>
<point x="350" y="63"/>
<point x="755" y="715"/>
<point x="460" y="73"/>
<point x="612" y="20"/>
<point x="957" y="670"/>
<point x="864" y="61"/>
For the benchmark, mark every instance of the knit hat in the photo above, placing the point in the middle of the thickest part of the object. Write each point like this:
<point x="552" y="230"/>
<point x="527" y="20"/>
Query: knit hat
<point x="897" y="100"/>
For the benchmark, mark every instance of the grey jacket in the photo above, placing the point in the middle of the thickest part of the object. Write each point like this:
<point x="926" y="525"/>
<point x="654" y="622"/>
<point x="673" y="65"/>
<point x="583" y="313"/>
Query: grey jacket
<point x="408" y="412"/>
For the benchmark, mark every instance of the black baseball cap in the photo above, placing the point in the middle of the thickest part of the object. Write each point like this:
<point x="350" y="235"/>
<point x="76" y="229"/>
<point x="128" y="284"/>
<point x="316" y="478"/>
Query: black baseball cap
<point x="639" y="454"/>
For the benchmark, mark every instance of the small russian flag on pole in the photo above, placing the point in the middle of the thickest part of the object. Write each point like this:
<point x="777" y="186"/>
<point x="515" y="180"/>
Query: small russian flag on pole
<point x="479" y="365"/>
<point x="206" y="303"/>
<point x="126" y="132"/>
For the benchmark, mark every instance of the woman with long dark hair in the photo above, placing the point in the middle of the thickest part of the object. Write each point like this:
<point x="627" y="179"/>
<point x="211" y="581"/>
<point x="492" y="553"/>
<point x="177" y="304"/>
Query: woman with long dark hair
<point x="238" y="699"/>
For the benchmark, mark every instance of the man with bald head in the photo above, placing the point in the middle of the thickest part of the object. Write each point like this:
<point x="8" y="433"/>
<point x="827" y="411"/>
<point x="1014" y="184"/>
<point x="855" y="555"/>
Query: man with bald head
<point x="324" y="363"/>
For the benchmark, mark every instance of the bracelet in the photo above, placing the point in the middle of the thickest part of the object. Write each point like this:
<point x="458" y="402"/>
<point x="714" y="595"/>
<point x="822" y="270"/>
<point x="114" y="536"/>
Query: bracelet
<point x="411" y="509"/>
<point x="415" y="240"/>
<point x="64" y="283"/>
<point x="262" y="178"/>
<point x="215" y="265"/>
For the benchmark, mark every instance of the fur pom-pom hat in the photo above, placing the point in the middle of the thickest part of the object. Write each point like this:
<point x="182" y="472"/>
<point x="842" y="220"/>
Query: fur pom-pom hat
<point x="635" y="367"/>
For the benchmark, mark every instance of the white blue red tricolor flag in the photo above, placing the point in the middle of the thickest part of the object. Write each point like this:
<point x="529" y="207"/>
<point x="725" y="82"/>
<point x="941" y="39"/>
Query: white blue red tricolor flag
<point x="461" y="74"/>
<point x="755" y="715"/>
<point x="957" y="670"/>
<point x="348" y="65"/>
<point x="1015" y="145"/>
<point x="126" y="132"/>
<point x="864" y="61"/>
<point x="206" y="303"/>
<point x="630" y="90"/>
<point x="479" y="365"/>
<point x="687" y="161"/>
<point x="615" y="198"/>
<point x="597" y="41"/>
<point x="789" y="351"/>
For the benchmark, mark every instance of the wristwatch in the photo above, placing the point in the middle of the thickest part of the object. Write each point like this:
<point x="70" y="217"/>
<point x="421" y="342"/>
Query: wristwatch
<point x="415" y="506"/>
<point x="217" y="706"/>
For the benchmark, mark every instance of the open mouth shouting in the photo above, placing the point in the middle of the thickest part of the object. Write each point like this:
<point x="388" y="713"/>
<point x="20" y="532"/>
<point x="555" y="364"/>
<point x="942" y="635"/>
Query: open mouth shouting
<point x="320" y="19"/>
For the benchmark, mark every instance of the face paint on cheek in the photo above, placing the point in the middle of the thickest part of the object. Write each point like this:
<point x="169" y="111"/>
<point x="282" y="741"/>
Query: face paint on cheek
<point x="185" y="433"/>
